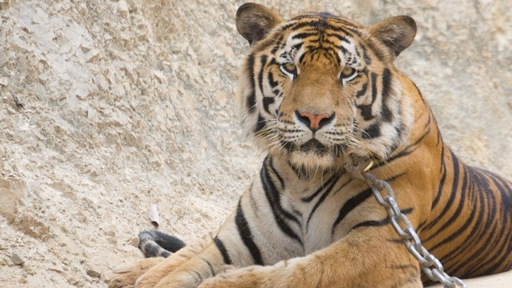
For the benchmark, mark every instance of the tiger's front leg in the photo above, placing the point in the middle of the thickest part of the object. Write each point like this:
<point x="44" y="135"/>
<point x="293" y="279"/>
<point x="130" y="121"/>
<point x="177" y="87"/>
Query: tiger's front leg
<point x="363" y="259"/>
<point x="166" y="266"/>
<point x="212" y="261"/>
<point x="148" y="272"/>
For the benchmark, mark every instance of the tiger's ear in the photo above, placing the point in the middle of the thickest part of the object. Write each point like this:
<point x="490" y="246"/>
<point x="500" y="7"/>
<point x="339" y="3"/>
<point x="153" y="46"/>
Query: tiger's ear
<point x="397" y="33"/>
<point x="254" y="21"/>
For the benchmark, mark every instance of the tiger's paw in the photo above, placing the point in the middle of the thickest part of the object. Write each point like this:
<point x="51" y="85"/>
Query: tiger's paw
<point x="125" y="276"/>
<point x="150" y="279"/>
<point x="164" y="275"/>
<point x="249" y="277"/>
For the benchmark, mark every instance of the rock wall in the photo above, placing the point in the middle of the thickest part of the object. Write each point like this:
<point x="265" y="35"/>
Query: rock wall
<point x="128" y="103"/>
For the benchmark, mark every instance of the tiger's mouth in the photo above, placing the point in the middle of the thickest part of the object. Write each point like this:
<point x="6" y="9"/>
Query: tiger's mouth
<point x="314" y="156"/>
<point x="314" y="146"/>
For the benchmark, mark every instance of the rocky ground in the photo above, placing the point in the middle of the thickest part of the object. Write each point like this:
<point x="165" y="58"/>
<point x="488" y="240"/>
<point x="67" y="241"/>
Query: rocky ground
<point x="123" y="104"/>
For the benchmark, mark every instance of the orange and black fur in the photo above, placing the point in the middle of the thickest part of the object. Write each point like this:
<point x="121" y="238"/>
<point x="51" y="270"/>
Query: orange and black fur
<point x="318" y="92"/>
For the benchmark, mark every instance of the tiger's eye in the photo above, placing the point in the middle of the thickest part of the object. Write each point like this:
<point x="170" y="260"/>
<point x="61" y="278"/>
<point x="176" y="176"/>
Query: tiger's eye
<point x="290" y="67"/>
<point x="348" y="71"/>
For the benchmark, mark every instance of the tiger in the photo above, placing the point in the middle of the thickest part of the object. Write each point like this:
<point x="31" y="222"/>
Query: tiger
<point x="321" y="96"/>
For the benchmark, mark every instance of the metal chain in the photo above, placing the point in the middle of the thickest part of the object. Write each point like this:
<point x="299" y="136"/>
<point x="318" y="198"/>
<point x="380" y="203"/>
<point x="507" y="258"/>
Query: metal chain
<point x="428" y="262"/>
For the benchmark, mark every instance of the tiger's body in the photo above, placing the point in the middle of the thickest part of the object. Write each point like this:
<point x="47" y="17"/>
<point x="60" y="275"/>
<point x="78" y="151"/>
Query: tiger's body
<point x="322" y="96"/>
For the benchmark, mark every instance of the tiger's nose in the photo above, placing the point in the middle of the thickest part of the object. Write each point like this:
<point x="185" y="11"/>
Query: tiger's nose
<point x="314" y="121"/>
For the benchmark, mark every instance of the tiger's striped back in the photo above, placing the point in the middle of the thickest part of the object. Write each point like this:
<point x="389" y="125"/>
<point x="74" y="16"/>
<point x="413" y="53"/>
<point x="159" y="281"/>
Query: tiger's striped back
<point x="471" y="219"/>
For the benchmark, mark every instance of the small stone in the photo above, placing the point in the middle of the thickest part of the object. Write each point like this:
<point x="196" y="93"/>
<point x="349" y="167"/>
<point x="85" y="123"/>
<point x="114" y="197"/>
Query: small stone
<point x="11" y="191"/>
<point x="4" y="5"/>
<point x="29" y="225"/>
<point x="159" y="76"/>
<point x="3" y="59"/>
<point x="5" y="261"/>
<point x="92" y="55"/>
<point x="28" y="269"/>
<point x="92" y="270"/>
<point x="80" y="217"/>
<point x="23" y="280"/>
<point x="134" y="242"/>
<point x="112" y="240"/>
<point x="123" y="7"/>
<point x="17" y="259"/>
<point x="73" y="281"/>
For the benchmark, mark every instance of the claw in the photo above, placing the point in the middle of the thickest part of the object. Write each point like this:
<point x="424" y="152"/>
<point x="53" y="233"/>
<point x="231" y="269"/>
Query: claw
<point x="357" y="166"/>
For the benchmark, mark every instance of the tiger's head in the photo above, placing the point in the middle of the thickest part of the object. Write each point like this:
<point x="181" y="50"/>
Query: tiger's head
<point x="319" y="88"/>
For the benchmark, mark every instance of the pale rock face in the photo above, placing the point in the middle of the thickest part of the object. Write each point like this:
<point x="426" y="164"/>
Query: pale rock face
<point x="131" y="103"/>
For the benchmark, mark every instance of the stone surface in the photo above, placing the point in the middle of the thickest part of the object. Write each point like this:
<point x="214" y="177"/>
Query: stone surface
<point x="130" y="103"/>
<point x="17" y="259"/>
<point x="11" y="191"/>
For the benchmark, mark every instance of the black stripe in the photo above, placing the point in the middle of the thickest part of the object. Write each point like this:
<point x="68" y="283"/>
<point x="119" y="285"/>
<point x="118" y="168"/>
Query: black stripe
<point x="341" y="38"/>
<point x="386" y="114"/>
<point x="441" y="183"/>
<point x="315" y="23"/>
<point x="362" y="91"/>
<point x="198" y="275"/>
<point x="212" y="271"/>
<point x="222" y="249"/>
<point x="304" y="35"/>
<point x="493" y="248"/>
<point x="454" y="192"/>
<point x="355" y="201"/>
<point x="278" y="211"/>
<point x="455" y="215"/>
<point x="273" y="194"/>
<point x="480" y="229"/>
<point x="404" y="267"/>
<point x="297" y="46"/>
<point x="301" y="58"/>
<point x="271" y="165"/>
<point x="274" y="50"/>
<point x="419" y="93"/>
<point x="505" y="250"/>
<point x="251" y="100"/>
<point x="474" y="236"/>
<point x="267" y="101"/>
<point x="503" y="187"/>
<point x="271" y="80"/>
<point x="343" y="49"/>
<point x="300" y="25"/>
<point x="428" y="120"/>
<point x="260" y="124"/>
<point x="367" y="59"/>
<point x="246" y="235"/>
<point x="379" y="223"/>
<point x="366" y="110"/>
<point x="406" y="151"/>
<point x="263" y="62"/>
<point x="297" y="170"/>
<point x="322" y="198"/>
<point x="478" y="257"/>
<point x="313" y="196"/>
<point x="350" y="205"/>
<point x="372" y="131"/>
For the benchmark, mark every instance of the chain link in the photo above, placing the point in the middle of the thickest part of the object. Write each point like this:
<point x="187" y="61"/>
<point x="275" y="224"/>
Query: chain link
<point x="430" y="265"/>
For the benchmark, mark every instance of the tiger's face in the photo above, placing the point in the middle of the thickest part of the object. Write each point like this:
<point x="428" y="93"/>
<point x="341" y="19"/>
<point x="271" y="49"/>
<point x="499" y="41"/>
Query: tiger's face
<point x="318" y="88"/>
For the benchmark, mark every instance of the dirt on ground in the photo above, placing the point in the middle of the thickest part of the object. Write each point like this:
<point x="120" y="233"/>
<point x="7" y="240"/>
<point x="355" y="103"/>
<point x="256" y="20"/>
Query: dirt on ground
<point x="108" y="107"/>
